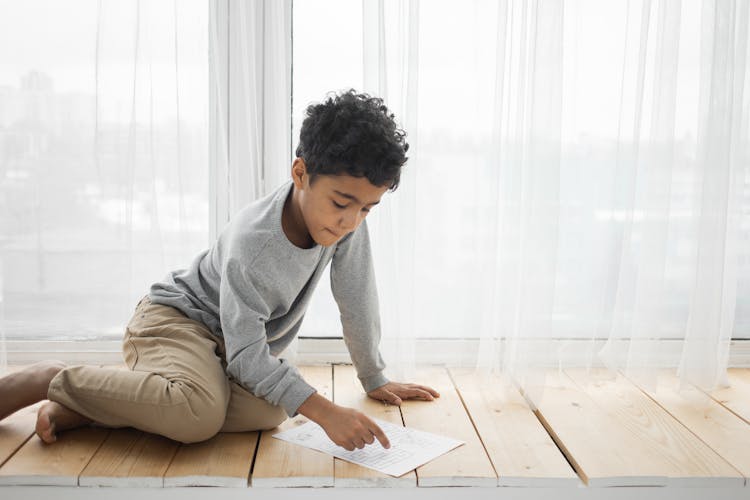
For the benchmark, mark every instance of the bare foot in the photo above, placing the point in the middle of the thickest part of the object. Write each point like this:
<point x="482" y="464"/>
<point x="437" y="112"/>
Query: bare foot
<point x="26" y="387"/>
<point x="54" y="417"/>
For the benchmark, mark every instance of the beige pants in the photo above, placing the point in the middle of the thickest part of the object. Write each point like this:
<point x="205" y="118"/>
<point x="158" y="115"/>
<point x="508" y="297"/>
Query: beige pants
<point x="176" y="384"/>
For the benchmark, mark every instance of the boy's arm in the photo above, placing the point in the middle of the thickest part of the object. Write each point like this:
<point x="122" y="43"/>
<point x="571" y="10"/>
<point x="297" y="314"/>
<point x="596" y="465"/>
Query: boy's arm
<point x="353" y="287"/>
<point x="243" y="317"/>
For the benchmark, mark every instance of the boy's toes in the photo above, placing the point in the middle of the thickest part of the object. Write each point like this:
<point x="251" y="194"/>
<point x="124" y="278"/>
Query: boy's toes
<point x="45" y="429"/>
<point x="49" y="436"/>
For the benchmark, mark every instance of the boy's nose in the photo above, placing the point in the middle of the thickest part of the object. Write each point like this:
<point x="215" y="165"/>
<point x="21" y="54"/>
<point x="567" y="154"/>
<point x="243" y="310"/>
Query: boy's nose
<point x="349" y="222"/>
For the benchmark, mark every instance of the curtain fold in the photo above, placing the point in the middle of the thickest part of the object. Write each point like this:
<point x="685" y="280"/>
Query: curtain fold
<point x="258" y="101"/>
<point x="722" y="168"/>
<point x="390" y="71"/>
<point x="641" y="297"/>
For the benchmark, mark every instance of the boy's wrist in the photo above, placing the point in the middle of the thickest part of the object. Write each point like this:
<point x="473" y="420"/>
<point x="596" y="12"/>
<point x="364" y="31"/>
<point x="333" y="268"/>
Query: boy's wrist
<point x="316" y="407"/>
<point x="373" y="381"/>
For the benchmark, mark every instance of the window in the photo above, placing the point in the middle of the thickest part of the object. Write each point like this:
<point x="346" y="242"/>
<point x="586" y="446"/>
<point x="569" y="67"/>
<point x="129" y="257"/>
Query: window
<point x="103" y="158"/>
<point x="457" y="75"/>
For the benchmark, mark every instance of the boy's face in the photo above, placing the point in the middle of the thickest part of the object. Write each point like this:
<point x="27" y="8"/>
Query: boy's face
<point x="333" y="205"/>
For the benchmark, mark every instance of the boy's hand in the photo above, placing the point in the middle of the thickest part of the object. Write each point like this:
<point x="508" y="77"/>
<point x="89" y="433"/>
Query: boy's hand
<point x="346" y="427"/>
<point x="351" y="429"/>
<point x="395" y="392"/>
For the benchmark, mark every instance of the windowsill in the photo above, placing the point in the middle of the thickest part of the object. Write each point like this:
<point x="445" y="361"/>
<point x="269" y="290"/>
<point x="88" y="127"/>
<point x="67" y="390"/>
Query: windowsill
<point x="311" y="350"/>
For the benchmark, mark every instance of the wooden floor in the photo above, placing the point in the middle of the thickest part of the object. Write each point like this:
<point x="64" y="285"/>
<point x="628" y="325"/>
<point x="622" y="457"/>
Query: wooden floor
<point x="589" y="429"/>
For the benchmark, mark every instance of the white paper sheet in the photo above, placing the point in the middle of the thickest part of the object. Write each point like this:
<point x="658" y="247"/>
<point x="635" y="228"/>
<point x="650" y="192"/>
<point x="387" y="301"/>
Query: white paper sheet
<point x="409" y="449"/>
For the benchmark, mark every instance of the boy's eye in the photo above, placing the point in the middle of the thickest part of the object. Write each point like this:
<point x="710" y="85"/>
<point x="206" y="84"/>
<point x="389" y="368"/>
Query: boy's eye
<point x="341" y="207"/>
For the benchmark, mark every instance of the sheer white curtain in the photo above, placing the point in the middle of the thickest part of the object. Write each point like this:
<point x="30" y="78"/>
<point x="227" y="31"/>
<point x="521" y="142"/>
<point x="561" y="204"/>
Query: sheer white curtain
<point x="251" y="67"/>
<point x="103" y="159"/>
<point x="390" y="71"/>
<point x="577" y="192"/>
<point x="108" y="114"/>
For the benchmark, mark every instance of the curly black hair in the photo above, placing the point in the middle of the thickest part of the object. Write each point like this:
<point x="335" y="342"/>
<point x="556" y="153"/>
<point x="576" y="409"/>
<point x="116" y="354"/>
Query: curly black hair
<point x="353" y="134"/>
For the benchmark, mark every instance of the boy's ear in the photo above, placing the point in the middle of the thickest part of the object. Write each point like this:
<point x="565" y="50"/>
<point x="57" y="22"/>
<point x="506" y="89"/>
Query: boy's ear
<point x="299" y="173"/>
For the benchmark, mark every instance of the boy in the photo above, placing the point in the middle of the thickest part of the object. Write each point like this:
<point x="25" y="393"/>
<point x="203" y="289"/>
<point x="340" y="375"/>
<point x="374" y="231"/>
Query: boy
<point x="202" y="346"/>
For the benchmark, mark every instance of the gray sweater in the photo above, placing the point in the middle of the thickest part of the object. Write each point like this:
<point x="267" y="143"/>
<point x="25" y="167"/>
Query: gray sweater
<point x="252" y="288"/>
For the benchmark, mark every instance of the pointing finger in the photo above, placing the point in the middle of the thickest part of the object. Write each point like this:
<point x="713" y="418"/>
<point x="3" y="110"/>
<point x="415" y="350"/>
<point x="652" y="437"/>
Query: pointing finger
<point x="378" y="432"/>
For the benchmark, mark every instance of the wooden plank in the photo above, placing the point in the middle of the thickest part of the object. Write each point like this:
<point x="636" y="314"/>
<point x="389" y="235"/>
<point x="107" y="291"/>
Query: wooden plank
<point x="595" y="444"/>
<point x="59" y="463"/>
<point x="736" y="397"/>
<point x="521" y="451"/>
<point x="223" y="460"/>
<point x="659" y="443"/>
<point x="282" y="464"/>
<point x="726" y="433"/>
<point x="227" y="459"/>
<point x="130" y="458"/>
<point x="467" y="465"/>
<point x="15" y="430"/>
<point x="348" y="392"/>
<point x="18" y="428"/>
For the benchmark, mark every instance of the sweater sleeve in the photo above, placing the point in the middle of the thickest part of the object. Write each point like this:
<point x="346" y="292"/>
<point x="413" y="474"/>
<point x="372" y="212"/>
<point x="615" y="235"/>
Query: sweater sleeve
<point x="249" y="361"/>
<point x="353" y="287"/>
